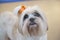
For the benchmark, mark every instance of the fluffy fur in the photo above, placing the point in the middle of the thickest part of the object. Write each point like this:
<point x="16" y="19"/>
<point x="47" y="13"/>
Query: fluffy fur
<point x="36" y="31"/>
<point x="31" y="24"/>
<point x="8" y="25"/>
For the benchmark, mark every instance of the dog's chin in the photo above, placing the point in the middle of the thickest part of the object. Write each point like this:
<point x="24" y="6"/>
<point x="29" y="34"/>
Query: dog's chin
<point x="33" y="29"/>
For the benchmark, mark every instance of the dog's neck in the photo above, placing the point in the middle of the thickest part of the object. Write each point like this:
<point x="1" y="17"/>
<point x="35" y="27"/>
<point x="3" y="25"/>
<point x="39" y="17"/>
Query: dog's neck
<point x="22" y="37"/>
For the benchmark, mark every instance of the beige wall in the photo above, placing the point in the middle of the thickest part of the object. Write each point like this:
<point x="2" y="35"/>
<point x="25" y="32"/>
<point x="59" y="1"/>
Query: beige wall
<point x="51" y="9"/>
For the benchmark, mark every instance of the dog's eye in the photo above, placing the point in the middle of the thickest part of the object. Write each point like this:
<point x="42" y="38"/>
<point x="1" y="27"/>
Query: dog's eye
<point x="25" y="16"/>
<point x="37" y="14"/>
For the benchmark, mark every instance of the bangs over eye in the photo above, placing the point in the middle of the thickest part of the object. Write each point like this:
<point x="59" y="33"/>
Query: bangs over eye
<point x="37" y="14"/>
<point x="25" y="16"/>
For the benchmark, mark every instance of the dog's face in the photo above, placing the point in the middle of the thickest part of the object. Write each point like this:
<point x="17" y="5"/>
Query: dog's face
<point x="32" y="22"/>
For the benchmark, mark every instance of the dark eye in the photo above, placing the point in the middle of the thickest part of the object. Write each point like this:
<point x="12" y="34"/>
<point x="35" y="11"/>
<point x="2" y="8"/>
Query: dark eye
<point x="37" y="14"/>
<point x="25" y="16"/>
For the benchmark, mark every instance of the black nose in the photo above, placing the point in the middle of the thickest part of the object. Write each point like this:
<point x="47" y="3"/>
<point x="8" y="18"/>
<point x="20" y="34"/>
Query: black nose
<point x="32" y="19"/>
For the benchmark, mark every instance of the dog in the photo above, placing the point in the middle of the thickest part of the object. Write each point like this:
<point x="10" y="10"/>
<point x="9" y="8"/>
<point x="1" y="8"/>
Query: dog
<point x="24" y="23"/>
<point x="32" y="23"/>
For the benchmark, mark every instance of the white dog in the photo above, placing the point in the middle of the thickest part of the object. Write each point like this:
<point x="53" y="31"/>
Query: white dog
<point x="27" y="23"/>
<point x="32" y="23"/>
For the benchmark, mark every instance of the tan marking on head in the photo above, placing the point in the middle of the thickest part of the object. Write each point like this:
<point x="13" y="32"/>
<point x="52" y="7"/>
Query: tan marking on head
<point x="21" y="10"/>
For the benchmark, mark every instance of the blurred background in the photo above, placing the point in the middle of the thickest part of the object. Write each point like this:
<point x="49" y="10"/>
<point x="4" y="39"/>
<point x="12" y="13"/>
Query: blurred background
<point x="51" y="9"/>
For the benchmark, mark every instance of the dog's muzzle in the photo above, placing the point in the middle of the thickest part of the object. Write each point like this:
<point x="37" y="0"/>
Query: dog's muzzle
<point x="32" y="23"/>
<point x="33" y="27"/>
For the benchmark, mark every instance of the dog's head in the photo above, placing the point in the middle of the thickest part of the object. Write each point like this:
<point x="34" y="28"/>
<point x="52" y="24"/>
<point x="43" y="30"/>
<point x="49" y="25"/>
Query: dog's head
<point x="32" y="21"/>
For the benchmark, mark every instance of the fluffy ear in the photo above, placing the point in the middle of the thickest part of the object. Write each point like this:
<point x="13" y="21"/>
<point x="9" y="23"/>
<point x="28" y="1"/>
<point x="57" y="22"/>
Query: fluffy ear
<point x="20" y="30"/>
<point x="19" y="9"/>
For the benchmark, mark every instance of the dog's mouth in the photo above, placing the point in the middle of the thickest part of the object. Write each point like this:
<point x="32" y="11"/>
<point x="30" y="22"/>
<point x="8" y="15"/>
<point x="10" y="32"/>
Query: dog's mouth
<point x="33" y="24"/>
<point x="33" y="28"/>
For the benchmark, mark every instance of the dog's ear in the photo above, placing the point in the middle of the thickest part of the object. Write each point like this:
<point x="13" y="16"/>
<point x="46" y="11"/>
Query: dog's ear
<point x="20" y="30"/>
<point x="18" y="10"/>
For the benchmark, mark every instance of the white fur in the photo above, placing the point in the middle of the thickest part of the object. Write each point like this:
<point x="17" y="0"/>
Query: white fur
<point x="15" y="11"/>
<point x="11" y="25"/>
<point x="7" y="22"/>
<point x="23" y="29"/>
